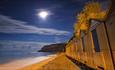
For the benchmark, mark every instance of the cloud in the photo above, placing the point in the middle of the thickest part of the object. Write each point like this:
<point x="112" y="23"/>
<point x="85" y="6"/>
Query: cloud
<point x="9" y="25"/>
<point x="79" y="1"/>
<point x="25" y="46"/>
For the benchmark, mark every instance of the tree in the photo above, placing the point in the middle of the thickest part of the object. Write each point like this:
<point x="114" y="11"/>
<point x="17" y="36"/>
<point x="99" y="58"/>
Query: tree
<point x="92" y="10"/>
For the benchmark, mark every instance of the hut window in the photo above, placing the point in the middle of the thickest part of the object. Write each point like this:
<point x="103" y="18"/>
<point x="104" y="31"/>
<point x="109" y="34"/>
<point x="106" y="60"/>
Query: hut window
<point x="95" y="40"/>
<point x="83" y="44"/>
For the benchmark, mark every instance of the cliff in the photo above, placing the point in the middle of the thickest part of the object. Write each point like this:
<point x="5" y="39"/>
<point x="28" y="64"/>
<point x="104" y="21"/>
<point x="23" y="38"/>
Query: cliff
<point x="53" y="48"/>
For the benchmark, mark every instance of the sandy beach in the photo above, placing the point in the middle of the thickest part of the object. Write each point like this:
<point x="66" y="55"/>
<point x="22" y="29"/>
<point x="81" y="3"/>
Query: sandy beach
<point x="60" y="62"/>
<point x="20" y="63"/>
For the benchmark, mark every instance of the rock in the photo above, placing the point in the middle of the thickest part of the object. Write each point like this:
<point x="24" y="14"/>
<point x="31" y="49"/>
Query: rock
<point x="53" y="48"/>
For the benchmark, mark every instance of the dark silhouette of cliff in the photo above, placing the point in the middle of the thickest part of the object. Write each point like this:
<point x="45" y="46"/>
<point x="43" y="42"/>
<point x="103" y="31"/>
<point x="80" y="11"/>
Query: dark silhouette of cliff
<point x="53" y="48"/>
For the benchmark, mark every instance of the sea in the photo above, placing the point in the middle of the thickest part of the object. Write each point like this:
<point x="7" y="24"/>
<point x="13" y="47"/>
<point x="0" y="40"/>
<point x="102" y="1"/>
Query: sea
<point x="13" y="50"/>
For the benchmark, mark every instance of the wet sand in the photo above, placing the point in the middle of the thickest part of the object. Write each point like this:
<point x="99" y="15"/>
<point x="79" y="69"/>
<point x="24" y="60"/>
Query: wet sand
<point x="55" y="62"/>
<point x="60" y="62"/>
<point x="21" y="63"/>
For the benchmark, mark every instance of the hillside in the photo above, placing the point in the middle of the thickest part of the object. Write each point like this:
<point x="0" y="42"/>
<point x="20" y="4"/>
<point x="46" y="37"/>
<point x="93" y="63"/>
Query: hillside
<point x="53" y="48"/>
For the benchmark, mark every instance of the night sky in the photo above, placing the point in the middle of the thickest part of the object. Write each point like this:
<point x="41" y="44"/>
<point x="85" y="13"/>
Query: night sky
<point x="19" y="20"/>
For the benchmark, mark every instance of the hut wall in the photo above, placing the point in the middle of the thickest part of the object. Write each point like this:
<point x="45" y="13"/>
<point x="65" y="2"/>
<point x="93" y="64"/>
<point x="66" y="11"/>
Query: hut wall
<point x="104" y="47"/>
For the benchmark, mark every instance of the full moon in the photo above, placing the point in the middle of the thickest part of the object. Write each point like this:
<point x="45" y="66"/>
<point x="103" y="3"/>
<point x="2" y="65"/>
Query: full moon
<point x="43" y="14"/>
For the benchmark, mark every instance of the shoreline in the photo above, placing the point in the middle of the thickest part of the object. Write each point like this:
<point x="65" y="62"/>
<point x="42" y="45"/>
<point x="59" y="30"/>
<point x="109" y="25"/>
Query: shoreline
<point x="60" y="62"/>
<point x="21" y="63"/>
<point x="38" y="64"/>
